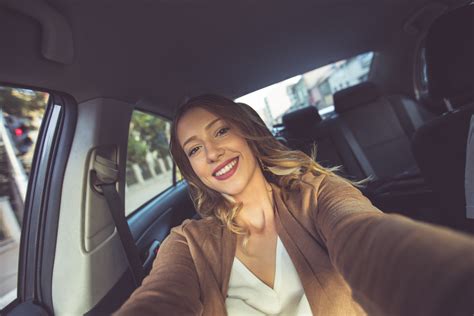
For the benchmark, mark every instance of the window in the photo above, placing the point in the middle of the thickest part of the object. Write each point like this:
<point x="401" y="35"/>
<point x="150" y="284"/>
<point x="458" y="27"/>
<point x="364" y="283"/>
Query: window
<point x="149" y="163"/>
<point x="314" y="88"/>
<point x="20" y="118"/>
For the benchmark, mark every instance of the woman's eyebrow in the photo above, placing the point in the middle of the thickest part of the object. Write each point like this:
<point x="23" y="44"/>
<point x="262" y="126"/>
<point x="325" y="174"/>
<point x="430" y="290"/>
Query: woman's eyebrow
<point x="208" y="126"/>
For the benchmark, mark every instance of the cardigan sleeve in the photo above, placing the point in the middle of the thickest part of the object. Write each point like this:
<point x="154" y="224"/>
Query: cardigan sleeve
<point x="394" y="265"/>
<point x="172" y="287"/>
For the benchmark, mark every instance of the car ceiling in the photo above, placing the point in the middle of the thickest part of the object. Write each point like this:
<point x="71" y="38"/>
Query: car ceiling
<point x="166" y="50"/>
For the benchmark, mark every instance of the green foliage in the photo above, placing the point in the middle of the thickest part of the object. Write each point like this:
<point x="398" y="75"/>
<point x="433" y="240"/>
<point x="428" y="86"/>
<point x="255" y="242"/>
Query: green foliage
<point x="136" y="150"/>
<point x="23" y="102"/>
<point x="148" y="133"/>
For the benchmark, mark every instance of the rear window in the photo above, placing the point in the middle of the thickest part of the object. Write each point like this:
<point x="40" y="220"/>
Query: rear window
<point x="313" y="88"/>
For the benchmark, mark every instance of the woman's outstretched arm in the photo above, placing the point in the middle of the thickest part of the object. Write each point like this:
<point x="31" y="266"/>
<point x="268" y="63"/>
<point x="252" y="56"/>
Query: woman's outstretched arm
<point x="172" y="287"/>
<point x="394" y="265"/>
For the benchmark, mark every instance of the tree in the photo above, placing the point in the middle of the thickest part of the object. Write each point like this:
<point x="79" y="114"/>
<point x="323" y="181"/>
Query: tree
<point x="23" y="102"/>
<point x="137" y="150"/>
<point x="152" y="130"/>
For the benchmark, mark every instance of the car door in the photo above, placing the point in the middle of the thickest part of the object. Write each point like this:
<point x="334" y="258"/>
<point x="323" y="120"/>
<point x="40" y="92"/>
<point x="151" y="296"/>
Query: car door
<point x="156" y="198"/>
<point x="50" y="210"/>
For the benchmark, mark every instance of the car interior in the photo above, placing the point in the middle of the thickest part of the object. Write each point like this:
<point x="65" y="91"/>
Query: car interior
<point x="403" y="131"/>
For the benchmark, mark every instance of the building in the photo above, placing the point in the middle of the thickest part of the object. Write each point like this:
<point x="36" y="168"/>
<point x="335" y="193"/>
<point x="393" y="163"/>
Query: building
<point x="298" y="94"/>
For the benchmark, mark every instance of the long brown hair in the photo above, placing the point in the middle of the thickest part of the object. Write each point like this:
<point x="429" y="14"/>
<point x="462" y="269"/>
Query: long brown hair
<point x="279" y="164"/>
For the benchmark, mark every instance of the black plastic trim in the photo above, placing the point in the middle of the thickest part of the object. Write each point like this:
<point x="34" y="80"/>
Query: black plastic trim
<point x="27" y="308"/>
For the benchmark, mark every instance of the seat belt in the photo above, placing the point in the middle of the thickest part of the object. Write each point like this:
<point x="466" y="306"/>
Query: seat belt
<point x="357" y="150"/>
<point x="469" y="172"/>
<point x="104" y="177"/>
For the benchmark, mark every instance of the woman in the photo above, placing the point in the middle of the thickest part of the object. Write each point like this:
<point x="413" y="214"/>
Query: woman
<point x="280" y="234"/>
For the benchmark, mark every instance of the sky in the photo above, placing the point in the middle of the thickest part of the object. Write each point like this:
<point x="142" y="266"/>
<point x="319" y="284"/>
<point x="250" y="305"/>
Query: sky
<point x="278" y="98"/>
<point x="276" y="94"/>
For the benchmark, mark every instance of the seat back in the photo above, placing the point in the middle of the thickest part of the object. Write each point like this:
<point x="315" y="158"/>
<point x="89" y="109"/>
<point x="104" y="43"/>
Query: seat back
<point x="370" y="135"/>
<point x="304" y="128"/>
<point x="440" y="145"/>
<point x="378" y="129"/>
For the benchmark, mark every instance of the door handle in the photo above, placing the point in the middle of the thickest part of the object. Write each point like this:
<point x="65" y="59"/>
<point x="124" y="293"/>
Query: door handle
<point x="151" y="253"/>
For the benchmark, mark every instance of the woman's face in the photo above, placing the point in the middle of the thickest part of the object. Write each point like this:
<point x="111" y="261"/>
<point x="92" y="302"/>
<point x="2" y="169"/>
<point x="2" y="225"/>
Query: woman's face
<point x="219" y="156"/>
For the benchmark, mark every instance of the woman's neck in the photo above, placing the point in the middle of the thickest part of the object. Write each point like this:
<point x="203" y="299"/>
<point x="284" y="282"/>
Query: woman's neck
<point x="257" y="211"/>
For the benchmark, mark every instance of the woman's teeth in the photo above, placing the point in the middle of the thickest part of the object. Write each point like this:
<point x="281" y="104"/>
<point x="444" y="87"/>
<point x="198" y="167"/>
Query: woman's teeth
<point x="227" y="168"/>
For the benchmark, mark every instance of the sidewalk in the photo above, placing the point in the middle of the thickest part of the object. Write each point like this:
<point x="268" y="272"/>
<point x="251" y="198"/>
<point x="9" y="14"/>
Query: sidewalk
<point x="138" y="194"/>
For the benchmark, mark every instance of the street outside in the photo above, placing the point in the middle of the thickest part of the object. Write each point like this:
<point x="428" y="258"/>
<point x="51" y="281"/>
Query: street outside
<point x="21" y="112"/>
<point x="138" y="194"/>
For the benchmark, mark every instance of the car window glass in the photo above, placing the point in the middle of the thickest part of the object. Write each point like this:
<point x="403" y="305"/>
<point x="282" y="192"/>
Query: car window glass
<point x="149" y="163"/>
<point x="313" y="88"/>
<point x="21" y="112"/>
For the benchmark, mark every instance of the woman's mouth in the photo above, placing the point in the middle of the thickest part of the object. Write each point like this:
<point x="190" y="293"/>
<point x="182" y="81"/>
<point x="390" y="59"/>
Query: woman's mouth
<point x="227" y="170"/>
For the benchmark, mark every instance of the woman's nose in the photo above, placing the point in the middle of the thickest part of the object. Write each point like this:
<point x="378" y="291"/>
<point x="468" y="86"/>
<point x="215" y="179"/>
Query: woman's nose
<point x="214" y="151"/>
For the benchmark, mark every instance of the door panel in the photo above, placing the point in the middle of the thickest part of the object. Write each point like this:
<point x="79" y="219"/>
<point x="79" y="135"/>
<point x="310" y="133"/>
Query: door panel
<point x="151" y="223"/>
<point x="155" y="220"/>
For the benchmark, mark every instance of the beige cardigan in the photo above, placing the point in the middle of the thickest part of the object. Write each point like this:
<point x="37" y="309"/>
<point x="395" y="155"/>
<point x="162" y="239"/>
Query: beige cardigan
<point x="352" y="259"/>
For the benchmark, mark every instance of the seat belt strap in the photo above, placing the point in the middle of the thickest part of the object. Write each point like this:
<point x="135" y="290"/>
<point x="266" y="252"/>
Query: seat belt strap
<point x="105" y="178"/>
<point x="469" y="172"/>
<point x="357" y="150"/>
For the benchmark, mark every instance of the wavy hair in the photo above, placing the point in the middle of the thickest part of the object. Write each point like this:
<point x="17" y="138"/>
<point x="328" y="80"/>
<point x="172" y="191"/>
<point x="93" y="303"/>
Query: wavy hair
<point x="280" y="165"/>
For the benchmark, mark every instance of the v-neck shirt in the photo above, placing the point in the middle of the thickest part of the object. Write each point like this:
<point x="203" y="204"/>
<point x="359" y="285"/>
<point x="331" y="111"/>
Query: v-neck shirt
<point x="248" y="295"/>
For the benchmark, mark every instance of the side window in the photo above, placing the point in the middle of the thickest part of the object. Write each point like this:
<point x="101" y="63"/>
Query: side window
<point x="149" y="163"/>
<point x="21" y="113"/>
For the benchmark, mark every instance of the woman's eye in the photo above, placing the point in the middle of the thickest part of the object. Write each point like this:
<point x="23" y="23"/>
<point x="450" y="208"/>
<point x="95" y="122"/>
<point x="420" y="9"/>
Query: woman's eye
<point x="193" y="151"/>
<point x="222" y="131"/>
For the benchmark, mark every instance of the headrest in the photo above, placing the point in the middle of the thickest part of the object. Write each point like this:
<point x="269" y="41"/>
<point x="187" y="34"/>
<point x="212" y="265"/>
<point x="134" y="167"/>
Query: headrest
<point x="361" y="94"/>
<point x="449" y="54"/>
<point x="302" y="119"/>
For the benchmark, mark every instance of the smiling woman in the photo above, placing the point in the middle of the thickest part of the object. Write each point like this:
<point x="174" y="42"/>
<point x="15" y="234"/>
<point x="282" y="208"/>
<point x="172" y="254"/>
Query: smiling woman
<point x="222" y="149"/>
<point x="265" y="208"/>
<point x="215" y="151"/>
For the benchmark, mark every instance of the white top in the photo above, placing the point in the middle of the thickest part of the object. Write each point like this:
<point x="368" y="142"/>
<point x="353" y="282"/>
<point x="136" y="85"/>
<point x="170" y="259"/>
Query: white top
<point x="248" y="295"/>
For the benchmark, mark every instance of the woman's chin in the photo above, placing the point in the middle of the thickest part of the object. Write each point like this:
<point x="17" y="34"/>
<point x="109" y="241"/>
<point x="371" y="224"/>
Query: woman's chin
<point x="232" y="190"/>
